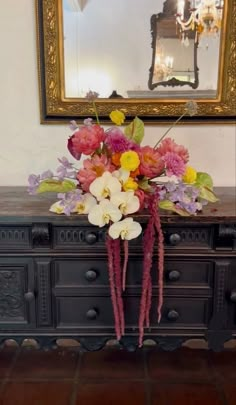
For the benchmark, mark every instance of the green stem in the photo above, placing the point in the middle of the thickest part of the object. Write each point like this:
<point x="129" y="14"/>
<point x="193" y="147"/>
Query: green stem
<point x="168" y="130"/>
<point x="96" y="113"/>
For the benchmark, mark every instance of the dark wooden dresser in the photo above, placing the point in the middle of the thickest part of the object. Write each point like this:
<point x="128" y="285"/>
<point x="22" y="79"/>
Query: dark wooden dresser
<point x="54" y="281"/>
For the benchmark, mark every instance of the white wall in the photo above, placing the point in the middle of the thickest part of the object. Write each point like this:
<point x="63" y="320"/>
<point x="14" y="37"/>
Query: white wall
<point x="26" y="146"/>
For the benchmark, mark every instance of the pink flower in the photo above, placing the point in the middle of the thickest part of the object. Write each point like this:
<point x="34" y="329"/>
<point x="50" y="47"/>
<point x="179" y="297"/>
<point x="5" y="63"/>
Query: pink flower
<point x="169" y="145"/>
<point x="87" y="139"/>
<point x="174" y="164"/>
<point x="93" y="168"/>
<point x="151" y="164"/>
<point x="116" y="141"/>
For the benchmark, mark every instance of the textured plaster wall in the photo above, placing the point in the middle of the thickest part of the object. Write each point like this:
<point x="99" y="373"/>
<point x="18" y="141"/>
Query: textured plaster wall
<point x="26" y="146"/>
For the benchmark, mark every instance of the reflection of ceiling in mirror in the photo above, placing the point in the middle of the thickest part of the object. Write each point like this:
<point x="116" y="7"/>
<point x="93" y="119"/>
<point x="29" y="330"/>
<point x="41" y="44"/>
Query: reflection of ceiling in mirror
<point x="106" y="50"/>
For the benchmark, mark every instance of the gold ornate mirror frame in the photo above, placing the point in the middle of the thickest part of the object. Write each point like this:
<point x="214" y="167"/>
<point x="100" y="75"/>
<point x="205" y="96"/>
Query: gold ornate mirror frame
<point x="55" y="108"/>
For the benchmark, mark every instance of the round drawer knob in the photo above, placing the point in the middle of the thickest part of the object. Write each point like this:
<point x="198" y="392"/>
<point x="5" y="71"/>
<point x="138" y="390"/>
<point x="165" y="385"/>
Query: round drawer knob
<point x="233" y="296"/>
<point x="92" y="314"/>
<point x="91" y="275"/>
<point x="173" y="275"/>
<point x="29" y="296"/>
<point x="172" y="315"/>
<point x="91" y="238"/>
<point x="174" y="239"/>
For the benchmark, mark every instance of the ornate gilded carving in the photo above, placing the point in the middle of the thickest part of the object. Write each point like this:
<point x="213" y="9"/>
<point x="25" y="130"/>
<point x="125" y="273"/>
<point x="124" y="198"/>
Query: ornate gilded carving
<point x="11" y="296"/>
<point x="55" y="108"/>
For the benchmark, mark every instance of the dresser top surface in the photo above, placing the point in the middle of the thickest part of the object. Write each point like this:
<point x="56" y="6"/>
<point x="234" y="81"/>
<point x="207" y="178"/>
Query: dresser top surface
<point x="16" y="204"/>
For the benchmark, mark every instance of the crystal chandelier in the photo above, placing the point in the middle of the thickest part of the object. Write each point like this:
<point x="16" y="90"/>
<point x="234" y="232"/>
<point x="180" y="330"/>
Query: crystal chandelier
<point x="163" y="65"/>
<point x="203" y="16"/>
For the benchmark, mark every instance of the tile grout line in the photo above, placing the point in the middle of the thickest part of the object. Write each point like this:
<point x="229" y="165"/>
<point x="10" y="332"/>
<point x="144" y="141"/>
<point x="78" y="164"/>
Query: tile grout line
<point x="76" y="380"/>
<point x="147" y="379"/>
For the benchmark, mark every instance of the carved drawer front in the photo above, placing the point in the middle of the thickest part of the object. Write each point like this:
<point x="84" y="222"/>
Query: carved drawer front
<point x="92" y="273"/>
<point x="14" y="237"/>
<point x="97" y="312"/>
<point x="17" y="298"/>
<point x="78" y="238"/>
<point x="184" y="237"/>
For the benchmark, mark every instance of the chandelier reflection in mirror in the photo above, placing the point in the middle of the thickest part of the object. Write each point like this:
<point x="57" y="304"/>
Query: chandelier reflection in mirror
<point x="203" y="16"/>
<point x="163" y="63"/>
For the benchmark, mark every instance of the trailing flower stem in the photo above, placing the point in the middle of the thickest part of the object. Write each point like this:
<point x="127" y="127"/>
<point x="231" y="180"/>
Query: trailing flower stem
<point x="168" y="130"/>
<point x="126" y="256"/>
<point x="145" y="303"/>
<point x="118" y="276"/>
<point x="109" y="245"/>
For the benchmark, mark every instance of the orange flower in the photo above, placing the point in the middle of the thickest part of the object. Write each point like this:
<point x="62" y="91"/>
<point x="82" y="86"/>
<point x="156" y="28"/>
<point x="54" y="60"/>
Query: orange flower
<point x="135" y="173"/>
<point x="116" y="158"/>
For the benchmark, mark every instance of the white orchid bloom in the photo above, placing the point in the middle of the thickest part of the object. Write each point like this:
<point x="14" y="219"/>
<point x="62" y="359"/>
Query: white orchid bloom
<point x="127" y="229"/>
<point x="57" y="208"/>
<point x="102" y="187"/>
<point x="103" y="213"/>
<point x="85" y="204"/>
<point x="122" y="175"/>
<point x="126" y="201"/>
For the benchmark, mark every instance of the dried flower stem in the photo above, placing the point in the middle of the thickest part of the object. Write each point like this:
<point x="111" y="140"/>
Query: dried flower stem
<point x="96" y="113"/>
<point x="168" y="130"/>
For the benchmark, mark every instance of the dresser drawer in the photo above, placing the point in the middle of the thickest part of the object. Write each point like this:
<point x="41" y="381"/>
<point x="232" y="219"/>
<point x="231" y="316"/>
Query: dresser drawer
<point x="188" y="237"/>
<point x="14" y="237"/>
<point x="97" y="312"/>
<point x="88" y="237"/>
<point x="91" y="273"/>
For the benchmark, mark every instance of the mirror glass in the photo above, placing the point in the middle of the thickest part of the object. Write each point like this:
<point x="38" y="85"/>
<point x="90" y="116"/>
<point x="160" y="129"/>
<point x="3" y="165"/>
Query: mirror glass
<point x="137" y="49"/>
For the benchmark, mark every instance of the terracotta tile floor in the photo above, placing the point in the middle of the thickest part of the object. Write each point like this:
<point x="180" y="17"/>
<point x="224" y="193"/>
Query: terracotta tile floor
<point x="66" y="376"/>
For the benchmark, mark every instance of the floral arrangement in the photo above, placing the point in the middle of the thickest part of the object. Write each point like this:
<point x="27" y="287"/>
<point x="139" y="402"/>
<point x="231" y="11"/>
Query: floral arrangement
<point x="117" y="178"/>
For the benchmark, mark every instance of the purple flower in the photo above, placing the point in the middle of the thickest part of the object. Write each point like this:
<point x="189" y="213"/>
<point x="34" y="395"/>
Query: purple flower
<point x="65" y="162"/>
<point x="92" y="95"/>
<point x="73" y="125"/>
<point x="70" y="200"/>
<point x="34" y="181"/>
<point x="46" y="175"/>
<point x="88" y="121"/>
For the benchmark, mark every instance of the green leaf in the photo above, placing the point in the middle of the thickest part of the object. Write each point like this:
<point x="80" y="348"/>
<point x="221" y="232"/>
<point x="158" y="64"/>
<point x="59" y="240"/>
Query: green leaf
<point x="208" y="194"/>
<point x="56" y="186"/>
<point x="135" y="130"/>
<point x="144" y="184"/>
<point x="204" y="179"/>
<point x="170" y="206"/>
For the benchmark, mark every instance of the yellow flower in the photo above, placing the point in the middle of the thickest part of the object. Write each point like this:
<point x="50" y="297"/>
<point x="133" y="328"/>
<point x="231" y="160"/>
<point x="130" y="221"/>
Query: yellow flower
<point x="190" y="175"/>
<point x="129" y="160"/>
<point x="117" y="117"/>
<point x="130" y="184"/>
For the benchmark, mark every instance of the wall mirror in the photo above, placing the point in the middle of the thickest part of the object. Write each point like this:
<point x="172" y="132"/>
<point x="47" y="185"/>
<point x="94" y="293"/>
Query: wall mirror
<point x="146" y="57"/>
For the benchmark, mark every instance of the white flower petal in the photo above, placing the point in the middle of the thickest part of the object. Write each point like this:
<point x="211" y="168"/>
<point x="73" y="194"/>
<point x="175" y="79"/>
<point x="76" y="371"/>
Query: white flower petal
<point x="121" y="174"/>
<point x="85" y="204"/>
<point x="104" y="186"/>
<point x="127" y="202"/>
<point x="127" y="229"/>
<point x="57" y="208"/>
<point x="103" y="213"/>
<point x="95" y="216"/>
